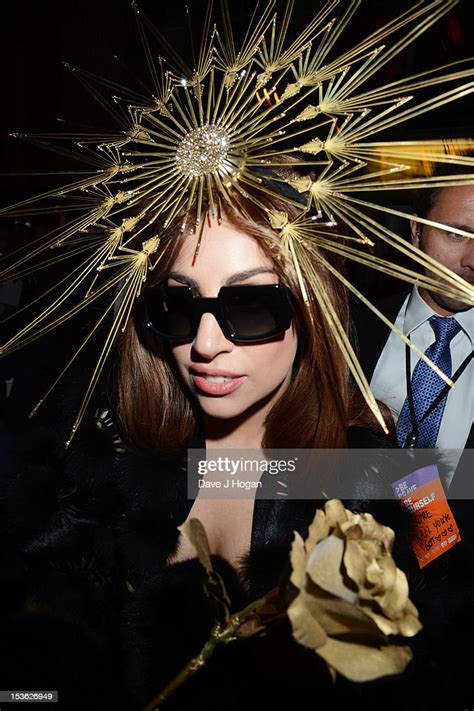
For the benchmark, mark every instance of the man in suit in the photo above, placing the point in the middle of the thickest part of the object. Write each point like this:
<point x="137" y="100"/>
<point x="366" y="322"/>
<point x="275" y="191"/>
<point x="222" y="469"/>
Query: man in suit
<point x="426" y="413"/>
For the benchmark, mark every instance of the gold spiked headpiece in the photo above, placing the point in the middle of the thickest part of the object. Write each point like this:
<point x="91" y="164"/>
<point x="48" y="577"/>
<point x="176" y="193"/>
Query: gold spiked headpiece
<point x="206" y="135"/>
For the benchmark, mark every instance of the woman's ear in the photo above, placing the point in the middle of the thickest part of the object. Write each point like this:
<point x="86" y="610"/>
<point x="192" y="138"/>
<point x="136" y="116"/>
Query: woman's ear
<point x="415" y="232"/>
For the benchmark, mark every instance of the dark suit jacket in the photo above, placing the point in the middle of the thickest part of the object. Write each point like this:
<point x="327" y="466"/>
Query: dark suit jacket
<point x="370" y="335"/>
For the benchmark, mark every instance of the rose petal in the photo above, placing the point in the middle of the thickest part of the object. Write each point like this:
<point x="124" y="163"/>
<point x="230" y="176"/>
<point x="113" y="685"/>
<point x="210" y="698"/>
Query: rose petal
<point x="410" y="625"/>
<point x="306" y="630"/>
<point x="382" y="574"/>
<point x="385" y="625"/>
<point x="311" y="600"/>
<point x="407" y="626"/>
<point x="339" y="617"/>
<point x="366" y="527"/>
<point x="396" y="598"/>
<point x="324" y="568"/>
<point x="336" y="514"/>
<point x="319" y="529"/>
<point x="355" y="563"/>
<point x="359" y="662"/>
<point x="298" y="561"/>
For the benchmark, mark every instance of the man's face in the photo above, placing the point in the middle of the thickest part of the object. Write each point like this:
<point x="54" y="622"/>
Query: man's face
<point x="453" y="207"/>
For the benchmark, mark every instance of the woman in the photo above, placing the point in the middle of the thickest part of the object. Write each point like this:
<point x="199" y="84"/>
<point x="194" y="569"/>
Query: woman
<point x="284" y="383"/>
<point x="98" y="558"/>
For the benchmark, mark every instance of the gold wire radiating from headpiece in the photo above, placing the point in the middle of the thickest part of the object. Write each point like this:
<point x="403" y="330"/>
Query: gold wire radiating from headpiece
<point x="210" y="135"/>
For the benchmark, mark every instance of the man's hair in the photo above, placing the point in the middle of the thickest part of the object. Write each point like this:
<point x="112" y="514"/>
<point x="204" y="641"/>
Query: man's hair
<point x="425" y="199"/>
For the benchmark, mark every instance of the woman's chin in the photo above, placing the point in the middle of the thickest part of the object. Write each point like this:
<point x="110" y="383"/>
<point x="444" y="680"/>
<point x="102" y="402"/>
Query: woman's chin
<point x="222" y="408"/>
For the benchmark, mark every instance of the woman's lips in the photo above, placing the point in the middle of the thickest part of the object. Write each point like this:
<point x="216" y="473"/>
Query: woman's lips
<point x="209" y="387"/>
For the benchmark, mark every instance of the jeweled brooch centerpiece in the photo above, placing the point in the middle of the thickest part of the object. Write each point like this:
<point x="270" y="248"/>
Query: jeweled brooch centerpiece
<point x="202" y="150"/>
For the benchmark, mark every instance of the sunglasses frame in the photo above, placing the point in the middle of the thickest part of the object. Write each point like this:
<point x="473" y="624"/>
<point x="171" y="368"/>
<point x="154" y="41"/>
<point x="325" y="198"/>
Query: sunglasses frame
<point x="215" y="306"/>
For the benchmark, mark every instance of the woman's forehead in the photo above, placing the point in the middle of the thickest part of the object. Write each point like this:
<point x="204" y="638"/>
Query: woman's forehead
<point x="222" y="250"/>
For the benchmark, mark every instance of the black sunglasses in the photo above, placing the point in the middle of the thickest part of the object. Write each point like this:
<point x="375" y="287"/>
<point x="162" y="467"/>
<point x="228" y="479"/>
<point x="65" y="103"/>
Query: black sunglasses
<point x="244" y="313"/>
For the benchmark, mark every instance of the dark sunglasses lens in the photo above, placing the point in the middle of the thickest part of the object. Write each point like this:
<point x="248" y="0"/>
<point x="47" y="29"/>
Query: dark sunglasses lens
<point x="169" y="312"/>
<point x="244" y="313"/>
<point x="251" y="315"/>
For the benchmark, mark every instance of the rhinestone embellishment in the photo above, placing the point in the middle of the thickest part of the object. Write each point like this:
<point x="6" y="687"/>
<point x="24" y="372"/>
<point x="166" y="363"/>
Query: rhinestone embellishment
<point x="202" y="150"/>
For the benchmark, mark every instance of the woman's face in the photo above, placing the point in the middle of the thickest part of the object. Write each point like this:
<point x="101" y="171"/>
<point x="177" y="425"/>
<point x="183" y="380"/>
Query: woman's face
<point x="254" y="374"/>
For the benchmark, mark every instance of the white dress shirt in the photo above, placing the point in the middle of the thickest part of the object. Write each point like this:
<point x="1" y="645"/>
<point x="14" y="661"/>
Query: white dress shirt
<point x="389" y="379"/>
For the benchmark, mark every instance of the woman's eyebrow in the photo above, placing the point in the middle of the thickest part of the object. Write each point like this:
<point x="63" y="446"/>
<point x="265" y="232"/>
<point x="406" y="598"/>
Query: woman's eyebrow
<point x="184" y="279"/>
<point x="248" y="273"/>
<point x="233" y="279"/>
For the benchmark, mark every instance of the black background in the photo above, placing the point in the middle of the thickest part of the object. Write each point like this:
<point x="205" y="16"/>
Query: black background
<point x="37" y="37"/>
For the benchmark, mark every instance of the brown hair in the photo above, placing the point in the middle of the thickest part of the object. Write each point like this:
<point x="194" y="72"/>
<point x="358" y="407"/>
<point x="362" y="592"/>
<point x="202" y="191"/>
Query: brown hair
<point x="426" y="198"/>
<point x="154" y="409"/>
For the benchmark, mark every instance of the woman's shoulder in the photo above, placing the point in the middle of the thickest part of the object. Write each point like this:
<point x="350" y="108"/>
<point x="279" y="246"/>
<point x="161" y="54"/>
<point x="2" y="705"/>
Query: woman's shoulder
<point x="95" y="496"/>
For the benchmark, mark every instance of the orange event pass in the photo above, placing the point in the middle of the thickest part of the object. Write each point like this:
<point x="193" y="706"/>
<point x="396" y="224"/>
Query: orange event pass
<point x="436" y="531"/>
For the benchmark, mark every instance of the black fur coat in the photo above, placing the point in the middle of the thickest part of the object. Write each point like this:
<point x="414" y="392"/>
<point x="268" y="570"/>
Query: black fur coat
<point x="89" y="607"/>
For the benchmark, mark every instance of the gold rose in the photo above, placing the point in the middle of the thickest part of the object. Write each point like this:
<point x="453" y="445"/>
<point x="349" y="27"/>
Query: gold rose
<point x="352" y="606"/>
<point x="345" y="599"/>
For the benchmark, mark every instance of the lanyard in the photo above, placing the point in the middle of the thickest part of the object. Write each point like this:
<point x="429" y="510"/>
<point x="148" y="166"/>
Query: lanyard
<point x="412" y="438"/>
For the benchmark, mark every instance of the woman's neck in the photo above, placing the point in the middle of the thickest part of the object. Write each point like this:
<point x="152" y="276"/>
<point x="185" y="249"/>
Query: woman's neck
<point x="231" y="435"/>
<point x="243" y="432"/>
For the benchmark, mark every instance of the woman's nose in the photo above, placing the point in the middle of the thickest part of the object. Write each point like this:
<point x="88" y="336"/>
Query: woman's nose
<point x="210" y="340"/>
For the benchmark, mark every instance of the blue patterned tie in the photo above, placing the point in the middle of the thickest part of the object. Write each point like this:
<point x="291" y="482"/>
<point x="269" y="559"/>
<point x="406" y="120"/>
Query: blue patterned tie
<point x="427" y="386"/>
